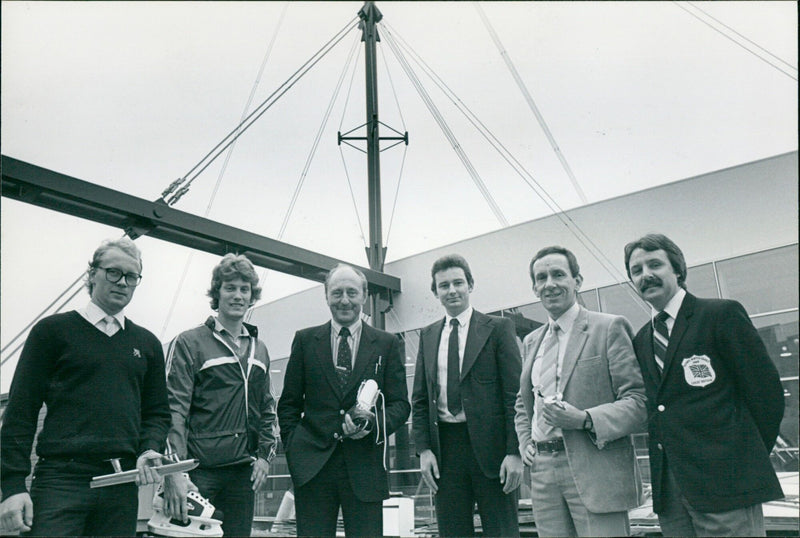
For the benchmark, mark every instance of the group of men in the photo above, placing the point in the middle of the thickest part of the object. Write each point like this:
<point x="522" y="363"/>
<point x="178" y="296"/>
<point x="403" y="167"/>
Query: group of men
<point x="697" y="378"/>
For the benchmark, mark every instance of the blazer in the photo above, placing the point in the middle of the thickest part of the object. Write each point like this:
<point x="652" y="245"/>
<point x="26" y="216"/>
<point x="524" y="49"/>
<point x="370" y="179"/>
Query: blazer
<point x="312" y="406"/>
<point x="489" y="383"/>
<point x="716" y="410"/>
<point x="600" y="375"/>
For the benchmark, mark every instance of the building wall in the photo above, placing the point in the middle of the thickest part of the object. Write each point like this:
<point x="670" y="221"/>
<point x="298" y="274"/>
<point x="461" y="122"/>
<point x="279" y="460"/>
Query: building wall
<point x="718" y="215"/>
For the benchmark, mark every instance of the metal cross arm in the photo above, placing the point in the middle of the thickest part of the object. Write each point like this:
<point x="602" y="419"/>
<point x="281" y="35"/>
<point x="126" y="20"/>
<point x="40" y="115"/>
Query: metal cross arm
<point x="32" y="184"/>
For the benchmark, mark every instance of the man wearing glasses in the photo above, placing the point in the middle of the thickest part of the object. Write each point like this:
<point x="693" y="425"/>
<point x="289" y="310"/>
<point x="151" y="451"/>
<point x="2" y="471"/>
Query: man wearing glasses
<point x="102" y="379"/>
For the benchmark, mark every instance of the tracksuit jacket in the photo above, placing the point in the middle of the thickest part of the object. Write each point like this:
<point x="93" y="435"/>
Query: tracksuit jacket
<point x="222" y="414"/>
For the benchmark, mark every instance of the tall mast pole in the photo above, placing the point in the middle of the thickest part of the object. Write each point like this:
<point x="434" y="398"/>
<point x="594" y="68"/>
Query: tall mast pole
<point x="370" y="16"/>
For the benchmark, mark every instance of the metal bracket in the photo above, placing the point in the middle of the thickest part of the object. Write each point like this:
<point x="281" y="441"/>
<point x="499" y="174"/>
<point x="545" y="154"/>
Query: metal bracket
<point x="123" y="477"/>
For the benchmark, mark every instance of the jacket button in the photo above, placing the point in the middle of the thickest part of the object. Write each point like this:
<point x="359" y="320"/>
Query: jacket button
<point x="335" y="435"/>
<point x="661" y="407"/>
<point x="341" y="411"/>
<point x="659" y="446"/>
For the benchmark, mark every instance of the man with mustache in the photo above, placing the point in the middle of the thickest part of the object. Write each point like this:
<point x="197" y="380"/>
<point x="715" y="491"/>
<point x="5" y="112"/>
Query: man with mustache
<point x="337" y="454"/>
<point x="714" y="398"/>
<point x="581" y="397"/>
<point x="223" y="412"/>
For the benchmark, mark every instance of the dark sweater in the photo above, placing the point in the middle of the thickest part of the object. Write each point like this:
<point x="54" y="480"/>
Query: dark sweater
<point x="106" y="396"/>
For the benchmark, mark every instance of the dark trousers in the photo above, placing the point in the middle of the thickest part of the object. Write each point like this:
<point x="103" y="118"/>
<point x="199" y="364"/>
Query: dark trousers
<point x="230" y="490"/>
<point x="317" y="504"/>
<point x="65" y="505"/>
<point x="462" y="484"/>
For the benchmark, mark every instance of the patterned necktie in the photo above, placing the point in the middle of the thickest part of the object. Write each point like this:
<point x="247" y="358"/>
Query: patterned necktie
<point x="343" y="357"/>
<point x="548" y="383"/>
<point x="453" y="371"/>
<point x="110" y="325"/>
<point x="660" y="339"/>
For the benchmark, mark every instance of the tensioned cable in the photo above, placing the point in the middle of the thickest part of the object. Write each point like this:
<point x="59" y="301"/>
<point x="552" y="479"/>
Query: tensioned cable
<point x="62" y="305"/>
<point x="531" y="104"/>
<point x="707" y="14"/>
<point x="405" y="150"/>
<point x="793" y="77"/>
<point x="259" y="111"/>
<point x="222" y="171"/>
<point x="446" y="130"/>
<point x="38" y="317"/>
<point x="318" y="137"/>
<point x="542" y="193"/>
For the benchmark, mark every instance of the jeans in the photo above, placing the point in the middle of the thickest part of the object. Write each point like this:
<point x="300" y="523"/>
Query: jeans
<point x="65" y="505"/>
<point x="230" y="490"/>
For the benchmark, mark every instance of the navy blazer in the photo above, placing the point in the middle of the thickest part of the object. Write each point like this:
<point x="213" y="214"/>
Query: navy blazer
<point x="716" y="411"/>
<point x="489" y="383"/>
<point x="313" y="404"/>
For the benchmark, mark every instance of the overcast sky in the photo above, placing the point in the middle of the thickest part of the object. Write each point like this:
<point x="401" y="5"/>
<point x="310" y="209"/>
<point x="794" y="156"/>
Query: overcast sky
<point x="132" y="95"/>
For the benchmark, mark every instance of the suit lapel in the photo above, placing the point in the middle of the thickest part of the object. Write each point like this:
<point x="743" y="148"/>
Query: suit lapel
<point x="525" y="383"/>
<point x="678" y="330"/>
<point x="430" y="342"/>
<point x="325" y="357"/>
<point x="479" y="331"/>
<point x="577" y="339"/>
<point x="366" y="349"/>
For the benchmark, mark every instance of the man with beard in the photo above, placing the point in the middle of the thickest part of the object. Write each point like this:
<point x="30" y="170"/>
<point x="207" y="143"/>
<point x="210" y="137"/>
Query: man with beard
<point x="714" y="399"/>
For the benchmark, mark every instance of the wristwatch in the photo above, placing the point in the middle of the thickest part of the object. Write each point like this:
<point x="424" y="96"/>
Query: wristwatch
<point x="587" y="422"/>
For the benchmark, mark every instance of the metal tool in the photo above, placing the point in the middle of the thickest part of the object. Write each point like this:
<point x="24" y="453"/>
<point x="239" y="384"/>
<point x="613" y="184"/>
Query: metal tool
<point x="123" y="477"/>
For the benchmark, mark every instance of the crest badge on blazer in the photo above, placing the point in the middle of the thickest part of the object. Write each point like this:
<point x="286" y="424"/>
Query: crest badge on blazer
<point x="697" y="370"/>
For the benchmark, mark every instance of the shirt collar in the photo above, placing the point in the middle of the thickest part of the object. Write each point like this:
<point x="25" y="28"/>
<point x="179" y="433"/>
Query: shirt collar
<point x="567" y="319"/>
<point x="94" y="314"/>
<point x="353" y="328"/>
<point x="220" y="328"/>
<point x="673" y="306"/>
<point x="463" y="318"/>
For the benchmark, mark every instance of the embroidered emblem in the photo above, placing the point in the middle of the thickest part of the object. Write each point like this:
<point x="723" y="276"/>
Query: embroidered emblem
<point x="697" y="370"/>
<point x="137" y="353"/>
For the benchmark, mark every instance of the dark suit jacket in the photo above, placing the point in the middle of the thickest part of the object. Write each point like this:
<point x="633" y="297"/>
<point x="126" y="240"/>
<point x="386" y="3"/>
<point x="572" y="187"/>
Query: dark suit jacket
<point x="312" y="407"/>
<point x="489" y="383"/>
<point x="716" y="419"/>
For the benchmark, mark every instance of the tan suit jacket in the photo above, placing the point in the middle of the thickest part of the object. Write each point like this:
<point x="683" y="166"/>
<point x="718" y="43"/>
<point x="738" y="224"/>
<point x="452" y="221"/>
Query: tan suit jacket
<point x="600" y="375"/>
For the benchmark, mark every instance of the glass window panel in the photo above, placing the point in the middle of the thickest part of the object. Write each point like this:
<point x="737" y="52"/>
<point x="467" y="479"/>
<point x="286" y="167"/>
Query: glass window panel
<point x="622" y="300"/>
<point x="762" y="282"/>
<point x="526" y="318"/>
<point x="700" y="281"/>
<point x="780" y="335"/>
<point x="588" y="300"/>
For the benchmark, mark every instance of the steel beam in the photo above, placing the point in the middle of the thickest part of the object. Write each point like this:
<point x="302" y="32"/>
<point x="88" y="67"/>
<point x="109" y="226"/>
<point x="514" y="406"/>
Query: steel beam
<point x="45" y="188"/>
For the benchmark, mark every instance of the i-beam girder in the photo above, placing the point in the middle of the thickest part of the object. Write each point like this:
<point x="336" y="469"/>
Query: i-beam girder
<point x="45" y="188"/>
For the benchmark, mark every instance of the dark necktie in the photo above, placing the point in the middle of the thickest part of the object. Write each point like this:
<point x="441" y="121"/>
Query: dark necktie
<point x="660" y="339"/>
<point x="453" y="371"/>
<point x="343" y="357"/>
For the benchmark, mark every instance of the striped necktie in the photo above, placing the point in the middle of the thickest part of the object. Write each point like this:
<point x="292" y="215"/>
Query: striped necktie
<point x="660" y="340"/>
<point x="548" y="382"/>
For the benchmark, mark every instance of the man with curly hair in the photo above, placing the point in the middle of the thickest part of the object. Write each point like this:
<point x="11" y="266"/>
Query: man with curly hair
<point x="223" y="412"/>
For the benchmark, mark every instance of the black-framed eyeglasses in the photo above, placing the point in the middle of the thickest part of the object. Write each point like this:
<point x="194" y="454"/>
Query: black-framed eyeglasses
<point x="114" y="275"/>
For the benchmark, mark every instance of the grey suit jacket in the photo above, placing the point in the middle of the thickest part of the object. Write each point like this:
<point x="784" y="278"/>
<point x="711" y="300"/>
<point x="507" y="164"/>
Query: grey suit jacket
<point x="600" y="375"/>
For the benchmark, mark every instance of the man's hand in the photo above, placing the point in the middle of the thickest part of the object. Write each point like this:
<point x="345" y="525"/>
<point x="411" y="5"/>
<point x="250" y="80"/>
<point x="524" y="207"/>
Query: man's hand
<point x="176" y="487"/>
<point x="350" y="429"/>
<point x="144" y="464"/>
<point x="260" y="474"/>
<point x="429" y="469"/>
<point x="528" y="454"/>
<point x="510" y="473"/>
<point x="16" y="513"/>
<point x="563" y="415"/>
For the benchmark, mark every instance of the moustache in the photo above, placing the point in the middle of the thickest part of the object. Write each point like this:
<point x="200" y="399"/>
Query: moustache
<point x="649" y="283"/>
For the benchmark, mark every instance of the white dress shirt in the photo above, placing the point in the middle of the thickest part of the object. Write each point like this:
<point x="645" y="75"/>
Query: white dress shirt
<point x="463" y="329"/>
